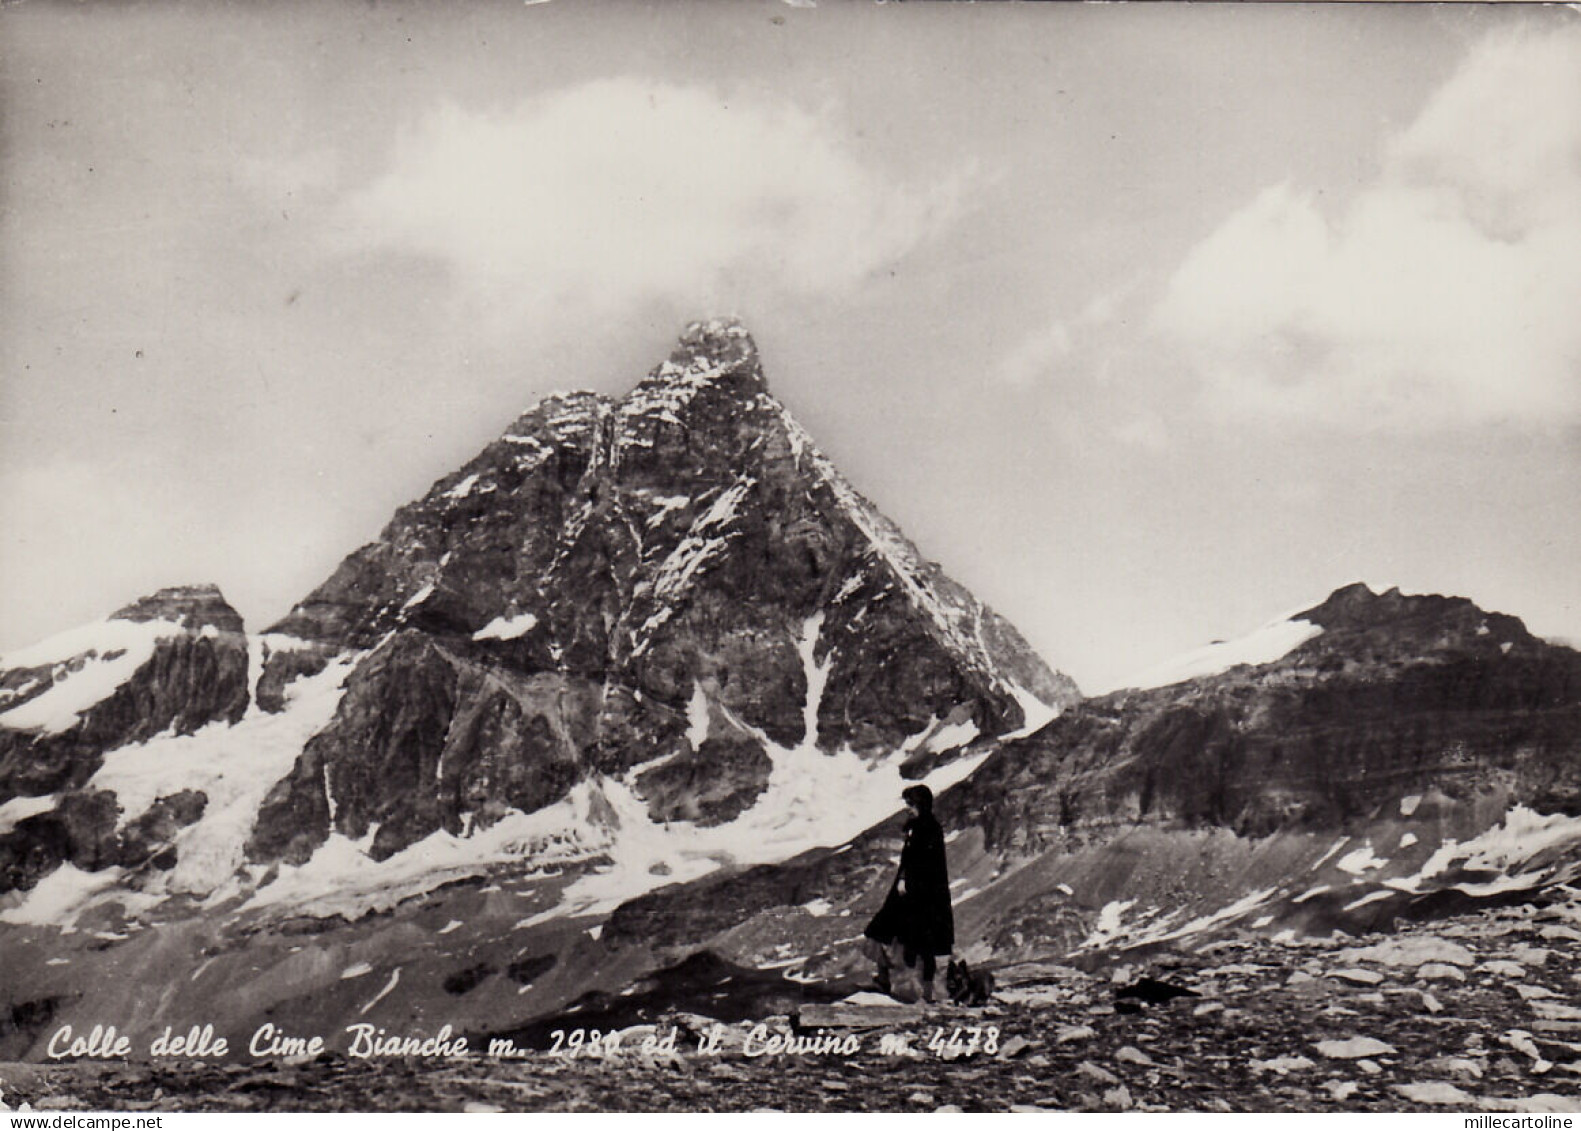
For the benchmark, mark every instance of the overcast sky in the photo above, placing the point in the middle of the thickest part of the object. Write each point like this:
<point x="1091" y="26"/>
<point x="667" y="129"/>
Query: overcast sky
<point x="1147" y="322"/>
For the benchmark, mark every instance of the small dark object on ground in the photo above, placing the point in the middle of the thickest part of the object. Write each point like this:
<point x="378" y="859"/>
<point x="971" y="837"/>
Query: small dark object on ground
<point x="968" y="986"/>
<point x="1151" y="991"/>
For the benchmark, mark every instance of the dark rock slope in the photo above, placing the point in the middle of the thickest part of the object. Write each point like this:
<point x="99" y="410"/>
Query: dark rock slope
<point x="1396" y="696"/>
<point x="172" y="662"/>
<point x="678" y="574"/>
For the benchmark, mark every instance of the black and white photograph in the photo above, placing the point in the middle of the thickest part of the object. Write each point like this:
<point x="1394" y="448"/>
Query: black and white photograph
<point x="790" y="555"/>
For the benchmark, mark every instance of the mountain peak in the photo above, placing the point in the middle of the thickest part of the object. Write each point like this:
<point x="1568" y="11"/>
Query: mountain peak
<point x="726" y="330"/>
<point x="194" y="606"/>
<point x="711" y="352"/>
<point x="1409" y="624"/>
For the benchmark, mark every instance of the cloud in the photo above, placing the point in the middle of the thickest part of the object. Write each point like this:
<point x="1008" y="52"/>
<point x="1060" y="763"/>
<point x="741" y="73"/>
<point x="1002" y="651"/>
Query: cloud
<point x="1037" y="355"/>
<point x="1443" y="294"/>
<point x="1040" y="354"/>
<point x="622" y="191"/>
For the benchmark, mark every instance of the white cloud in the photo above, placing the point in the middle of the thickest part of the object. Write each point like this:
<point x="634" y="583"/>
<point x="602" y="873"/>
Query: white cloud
<point x="622" y="191"/>
<point x="1444" y="293"/>
<point x="1049" y="350"/>
<point x="1037" y="355"/>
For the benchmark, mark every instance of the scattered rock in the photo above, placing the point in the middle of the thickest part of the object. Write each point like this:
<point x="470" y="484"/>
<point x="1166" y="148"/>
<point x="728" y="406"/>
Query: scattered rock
<point x="1341" y="1090"/>
<point x="1431" y="1003"/>
<point x="857" y="1017"/>
<point x="1456" y="1066"/>
<point x="1102" y="1075"/>
<point x="1119" y="1098"/>
<point x="1358" y="975"/>
<point x="1014" y="1047"/>
<point x="1069" y="1033"/>
<point x="1528" y="955"/>
<point x="1436" y="1092"/>
<point x="1440" y="971"/>
<point x="1411" y="950"/>
<point x="1353" y="1048"/>
<point x="1543" y="1102"/>
<point x="1283" y="1064"/>
<point x="1502" y="967"/>
<point x="1370" y="1067"/>
<point x="1130" y="1054"/>
<point x="1533" y="993"/>
<point x="1522" y="1042"/>
<point x="1207" y="1008"/>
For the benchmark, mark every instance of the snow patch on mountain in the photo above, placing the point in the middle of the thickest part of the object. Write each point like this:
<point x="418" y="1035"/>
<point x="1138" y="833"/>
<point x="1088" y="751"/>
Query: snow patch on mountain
<point x="419" y="597"/>
<point x="1116" y="927"/>
<point x="812" y="800"/>
<point x="507" y="628"/>
<point x="464" y="488"/>
<point x="342" y="879"/>
<point x="1505" y="848"/>
<point x="941" y="735"/>
<point x="234" y="766"/>
<point x="87" y="665"/>
<point x="570" y="418"/>
<point x="58" y="898"/>
<point x="696" y="720"/>
<point x="1271" y="642"/>
<point x="815" y="675"/>
<point x="21" y="808"/>
<point x="1360" y="860"/>
<point x="1035" y="714"/>
<point x="706" y="540"/>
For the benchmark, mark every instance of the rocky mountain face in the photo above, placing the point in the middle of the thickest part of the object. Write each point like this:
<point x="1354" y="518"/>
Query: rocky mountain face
<point x="1394" y="696"/>
<point x="662" y="604"/>
<point x="674" y="584"/>
<point x="1403" y="757"/>
<point x="170" y="663"/>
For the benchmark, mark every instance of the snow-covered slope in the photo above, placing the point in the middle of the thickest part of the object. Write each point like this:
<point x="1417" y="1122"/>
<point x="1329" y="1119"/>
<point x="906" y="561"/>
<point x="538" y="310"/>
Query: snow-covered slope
<point x="1271" y="642"/>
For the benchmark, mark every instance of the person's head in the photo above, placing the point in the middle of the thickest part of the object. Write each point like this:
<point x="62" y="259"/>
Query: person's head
<point x="919" y="798"/>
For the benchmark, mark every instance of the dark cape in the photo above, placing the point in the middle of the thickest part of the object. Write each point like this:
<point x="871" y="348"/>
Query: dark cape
<point x="920" y="918"/>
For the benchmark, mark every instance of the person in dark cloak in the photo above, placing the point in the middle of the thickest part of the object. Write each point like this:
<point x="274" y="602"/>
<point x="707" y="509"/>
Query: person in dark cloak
<point x="916" y="914"/>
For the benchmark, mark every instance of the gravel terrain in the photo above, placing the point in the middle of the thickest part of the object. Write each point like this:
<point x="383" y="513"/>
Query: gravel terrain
<point x="1474" y="1013"/>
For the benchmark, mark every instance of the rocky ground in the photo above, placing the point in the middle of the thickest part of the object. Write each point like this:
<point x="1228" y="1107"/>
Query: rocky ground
<point x="1467" y="1014"/>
